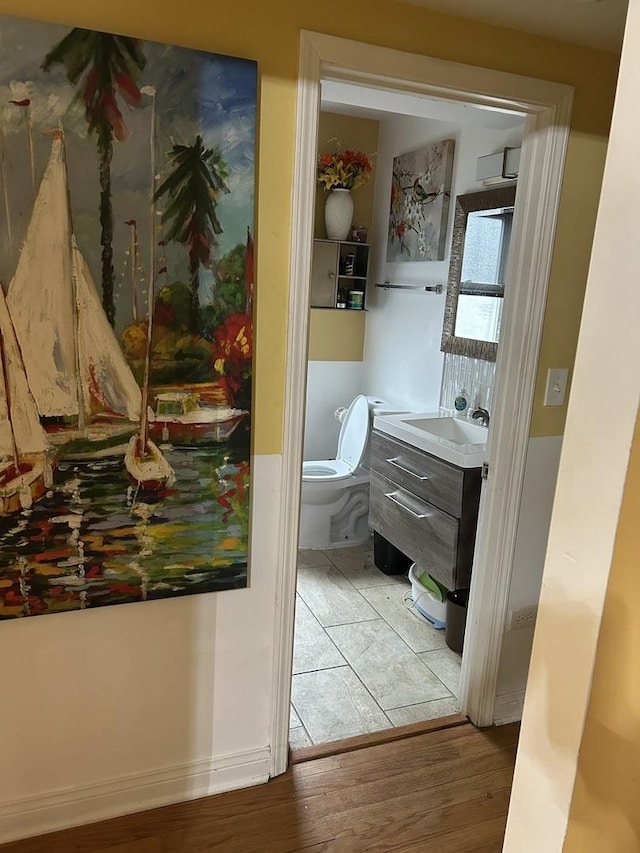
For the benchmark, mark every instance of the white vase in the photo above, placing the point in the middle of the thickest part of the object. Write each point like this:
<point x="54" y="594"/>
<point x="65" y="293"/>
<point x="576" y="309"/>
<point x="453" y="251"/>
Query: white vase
<point x="338" y="214"/>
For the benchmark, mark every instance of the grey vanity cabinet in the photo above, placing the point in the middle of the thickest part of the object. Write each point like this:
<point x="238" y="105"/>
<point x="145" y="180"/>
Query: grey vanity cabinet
<point x="426" y="507"/>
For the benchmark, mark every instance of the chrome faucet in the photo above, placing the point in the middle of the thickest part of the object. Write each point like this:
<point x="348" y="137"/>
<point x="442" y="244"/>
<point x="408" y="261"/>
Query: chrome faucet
<point x="481" y="414"/>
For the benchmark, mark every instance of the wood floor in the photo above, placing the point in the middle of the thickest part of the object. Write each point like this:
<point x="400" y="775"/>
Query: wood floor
<point x="444" y="791"/>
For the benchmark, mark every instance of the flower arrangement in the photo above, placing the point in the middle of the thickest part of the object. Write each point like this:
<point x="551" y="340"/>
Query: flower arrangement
<point x="345" y="170"/>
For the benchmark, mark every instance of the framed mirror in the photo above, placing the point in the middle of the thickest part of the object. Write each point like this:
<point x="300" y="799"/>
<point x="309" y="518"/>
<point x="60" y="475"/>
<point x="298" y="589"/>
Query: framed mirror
<point x="475" y="287"/>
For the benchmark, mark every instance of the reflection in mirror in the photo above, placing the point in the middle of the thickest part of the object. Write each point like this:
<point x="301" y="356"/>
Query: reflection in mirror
<point x="475" y="290"/>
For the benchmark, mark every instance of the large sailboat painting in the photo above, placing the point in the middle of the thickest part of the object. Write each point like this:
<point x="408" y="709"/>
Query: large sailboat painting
<point x="126" y="297"/>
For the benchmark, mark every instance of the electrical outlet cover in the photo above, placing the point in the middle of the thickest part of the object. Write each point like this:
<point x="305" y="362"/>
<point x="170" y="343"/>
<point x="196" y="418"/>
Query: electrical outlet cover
<point x="523" y="618"/>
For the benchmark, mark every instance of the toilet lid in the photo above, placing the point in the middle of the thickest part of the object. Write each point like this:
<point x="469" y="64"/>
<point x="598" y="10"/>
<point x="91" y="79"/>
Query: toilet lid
<point x="354" y="433"/>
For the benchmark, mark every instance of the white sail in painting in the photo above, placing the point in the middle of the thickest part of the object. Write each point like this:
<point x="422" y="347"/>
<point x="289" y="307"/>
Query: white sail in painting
<point x="20" y="430"/>
<point x="25" y="467"/>
<point x="72" y="358"/>
<point x="41" y="298"/>
<point x="106" y="378"/>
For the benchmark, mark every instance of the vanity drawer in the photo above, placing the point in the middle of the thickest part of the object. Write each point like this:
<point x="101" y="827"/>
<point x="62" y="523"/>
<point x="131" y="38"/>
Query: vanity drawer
<point x="418" y="472"/>
<point x="420" y="530"/>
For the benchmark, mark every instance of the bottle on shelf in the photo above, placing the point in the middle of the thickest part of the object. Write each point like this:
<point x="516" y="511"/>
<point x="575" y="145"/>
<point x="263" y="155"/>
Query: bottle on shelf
<point x="349" y="264"/>
<point x="461" y="403"/>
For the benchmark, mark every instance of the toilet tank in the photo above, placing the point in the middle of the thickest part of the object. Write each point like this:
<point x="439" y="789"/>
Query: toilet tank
<point x="379" y="406"/>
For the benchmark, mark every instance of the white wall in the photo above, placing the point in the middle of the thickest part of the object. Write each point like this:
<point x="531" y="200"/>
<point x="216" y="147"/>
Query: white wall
<point x="330" y="385"/>
<point x="133" y="701"/>
<point x="541" y="471"/>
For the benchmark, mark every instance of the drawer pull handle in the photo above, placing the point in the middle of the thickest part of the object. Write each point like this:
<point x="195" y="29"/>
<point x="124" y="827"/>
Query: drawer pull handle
<point x="392" y="497"/>
<point x="405" y="470"/>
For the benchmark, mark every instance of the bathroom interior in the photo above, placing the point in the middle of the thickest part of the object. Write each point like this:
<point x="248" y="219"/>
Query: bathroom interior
<point x="376" y="643"/>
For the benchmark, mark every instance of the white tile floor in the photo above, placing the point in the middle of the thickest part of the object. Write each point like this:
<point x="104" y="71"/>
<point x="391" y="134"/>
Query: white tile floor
<point x="364" y="659"/>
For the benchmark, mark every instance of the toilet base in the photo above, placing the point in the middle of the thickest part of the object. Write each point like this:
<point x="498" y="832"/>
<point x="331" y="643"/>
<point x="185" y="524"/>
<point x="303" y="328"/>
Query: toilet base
<point x="338" y="524"/>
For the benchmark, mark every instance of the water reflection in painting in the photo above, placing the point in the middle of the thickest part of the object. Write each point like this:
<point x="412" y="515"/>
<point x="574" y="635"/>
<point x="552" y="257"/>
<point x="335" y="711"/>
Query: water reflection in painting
<point x="91" y="540"/>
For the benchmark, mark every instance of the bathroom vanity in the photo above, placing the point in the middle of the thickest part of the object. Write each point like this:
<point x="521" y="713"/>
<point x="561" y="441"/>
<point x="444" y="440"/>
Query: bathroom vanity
<point x="425" y="505"/>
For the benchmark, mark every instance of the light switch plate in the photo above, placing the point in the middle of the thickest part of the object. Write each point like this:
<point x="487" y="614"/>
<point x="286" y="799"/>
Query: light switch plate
<point x="557" y="378"/>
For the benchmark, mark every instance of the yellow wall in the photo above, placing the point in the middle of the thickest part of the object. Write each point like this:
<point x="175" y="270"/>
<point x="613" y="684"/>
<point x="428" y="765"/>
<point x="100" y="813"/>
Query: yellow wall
<point x="572" y="251"/>
<point x="336" y="335"/>
<point x="269" y="32"/>
<point x="605" y="812"/>
<point x="358" y="134"/>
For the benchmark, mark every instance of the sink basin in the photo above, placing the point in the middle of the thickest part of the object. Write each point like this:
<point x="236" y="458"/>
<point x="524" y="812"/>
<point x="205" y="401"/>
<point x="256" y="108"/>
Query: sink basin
<point x="455" y="440"/>
<point x="456" y="430"/>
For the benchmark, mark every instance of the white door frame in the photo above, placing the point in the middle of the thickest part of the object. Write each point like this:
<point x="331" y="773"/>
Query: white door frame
<point x="547" y="107"/>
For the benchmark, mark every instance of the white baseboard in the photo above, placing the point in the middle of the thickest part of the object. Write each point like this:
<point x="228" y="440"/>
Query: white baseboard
<point x="62" y="809"/>
<point x="508" y="708"/>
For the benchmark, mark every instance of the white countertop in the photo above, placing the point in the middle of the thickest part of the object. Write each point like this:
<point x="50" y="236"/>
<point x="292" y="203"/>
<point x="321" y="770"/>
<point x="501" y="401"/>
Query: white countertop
<point x="461" y="442"/>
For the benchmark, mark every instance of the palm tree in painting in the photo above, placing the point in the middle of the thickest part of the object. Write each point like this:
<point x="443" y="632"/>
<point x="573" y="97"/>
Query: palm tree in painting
<point x="105" y="67"/>
<point x="194" y="187"/>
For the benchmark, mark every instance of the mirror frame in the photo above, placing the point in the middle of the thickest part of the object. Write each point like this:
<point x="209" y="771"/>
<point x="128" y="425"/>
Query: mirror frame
<point x="503" y="196"/>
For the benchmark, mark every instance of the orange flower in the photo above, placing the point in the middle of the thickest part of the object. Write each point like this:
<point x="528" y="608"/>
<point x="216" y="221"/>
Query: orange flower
<point x="344" y="169"/>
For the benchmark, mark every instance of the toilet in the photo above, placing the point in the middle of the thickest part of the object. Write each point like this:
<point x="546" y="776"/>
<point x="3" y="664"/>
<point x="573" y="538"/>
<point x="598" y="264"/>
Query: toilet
<point x="334" y="509"/>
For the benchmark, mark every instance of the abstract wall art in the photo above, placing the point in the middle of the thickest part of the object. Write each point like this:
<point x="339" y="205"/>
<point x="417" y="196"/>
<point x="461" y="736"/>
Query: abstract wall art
<point x="127" y="172"/>
<point x="419" y="210"/>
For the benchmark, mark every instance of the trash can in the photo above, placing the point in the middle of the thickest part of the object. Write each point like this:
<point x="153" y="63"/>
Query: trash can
<point x="388" y="558"/>
<point x="457" y="601"/>
<point x="429" y="596"/>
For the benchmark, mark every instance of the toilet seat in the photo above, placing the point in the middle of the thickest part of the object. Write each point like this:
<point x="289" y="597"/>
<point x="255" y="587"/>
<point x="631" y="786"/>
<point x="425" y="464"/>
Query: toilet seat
<point x="325" y="470"/>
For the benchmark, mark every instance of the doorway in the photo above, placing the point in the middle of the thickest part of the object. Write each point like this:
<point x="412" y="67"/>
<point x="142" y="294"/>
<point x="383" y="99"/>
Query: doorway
<point x="365" y="656"/>
<point x="547" y="108"/>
